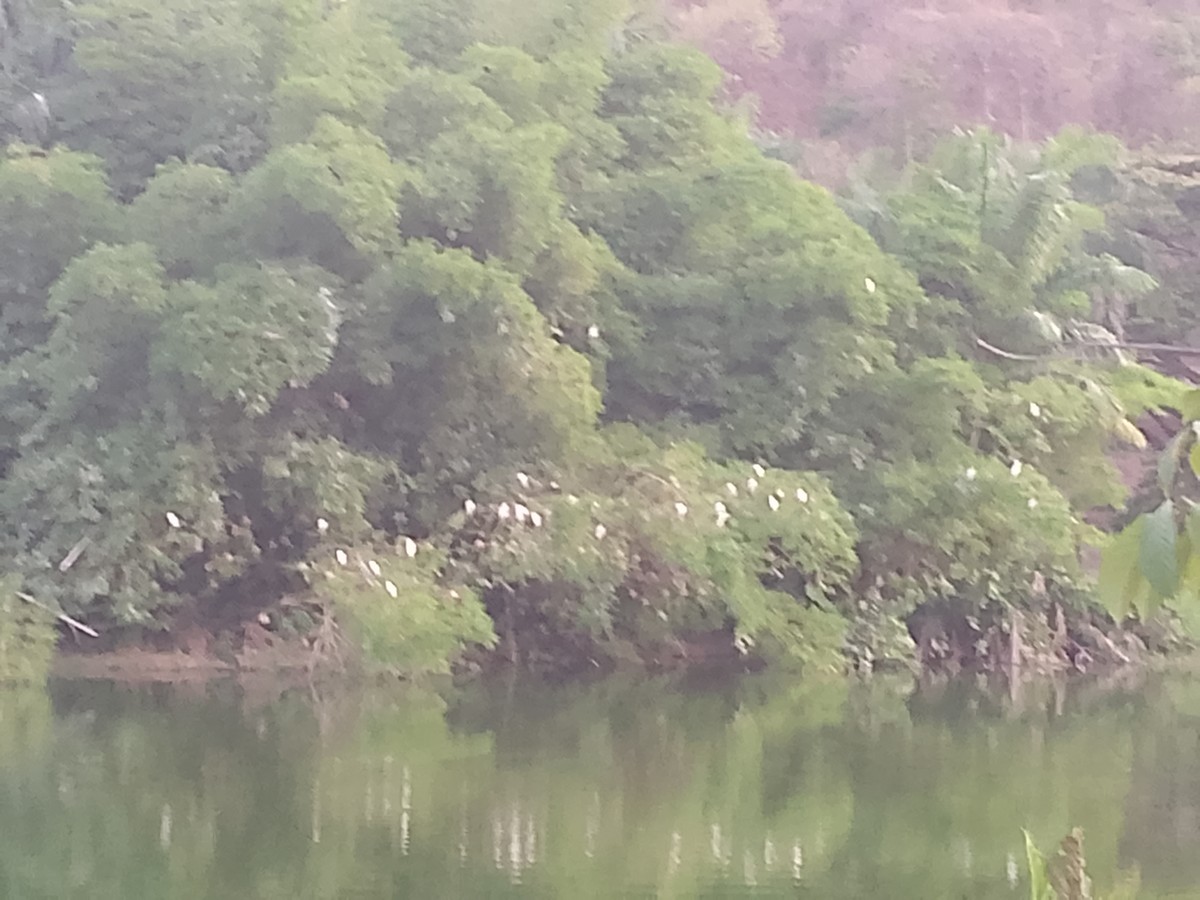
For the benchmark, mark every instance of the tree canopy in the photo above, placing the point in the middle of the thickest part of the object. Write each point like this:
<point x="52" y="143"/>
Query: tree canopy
<point x="462" y="327"/>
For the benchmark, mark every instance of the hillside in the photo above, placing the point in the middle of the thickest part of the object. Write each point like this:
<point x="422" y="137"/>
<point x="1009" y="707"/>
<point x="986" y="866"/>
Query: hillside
<point x="847" y="75"/>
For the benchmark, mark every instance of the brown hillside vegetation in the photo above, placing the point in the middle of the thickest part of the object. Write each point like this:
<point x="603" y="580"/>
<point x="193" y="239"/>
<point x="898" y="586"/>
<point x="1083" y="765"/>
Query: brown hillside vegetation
<point x="861" y="73"/>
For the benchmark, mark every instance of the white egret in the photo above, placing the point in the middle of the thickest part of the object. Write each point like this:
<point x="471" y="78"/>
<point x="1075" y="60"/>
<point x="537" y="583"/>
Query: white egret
<point x="469" y="507"/>
<point x="869" y="283"/>
<point x="341" y="556"/>
<point x="521" y="512"/>
<point x="1032" y="503"/>
<point x="322" y="525"/>
<point x="523" y="479"/>
<point x="173" y="520"/>
<point x="759" y="470"/>
<point x="410" y="547"/>
<point x="970" y="473"/>
<point x="535" y="518"/>
<point x="731" y="488"/>
<point x="1015" y="468"/>
<point x="374" y="567"/>
<point x="752" y="484"/>
<point x="390" y="587"/>
<point x="504" y="511"/>
<point x="600" y="532"/>
<point x="1035" y="410"/>
<point x="681" y="509"/>
<point x="593" y="331"/>
<point x="773" y="502"/>
<point x="802" y="495"/>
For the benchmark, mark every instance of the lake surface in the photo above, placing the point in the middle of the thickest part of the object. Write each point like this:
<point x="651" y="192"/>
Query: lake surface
<point x="750" y="788"/>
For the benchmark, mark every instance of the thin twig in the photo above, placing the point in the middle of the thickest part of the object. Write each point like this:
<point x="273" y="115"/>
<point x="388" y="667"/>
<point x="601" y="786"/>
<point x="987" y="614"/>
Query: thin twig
<point x="1103" y="345"/>
<point x="1021" y="357"/>
<point x="61" y="616"/>
<point x="77" y="551"/>
<point x="1149" y="348"/>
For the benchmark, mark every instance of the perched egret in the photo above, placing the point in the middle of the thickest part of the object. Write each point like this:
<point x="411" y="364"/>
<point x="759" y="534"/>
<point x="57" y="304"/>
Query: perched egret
<point x="173" y="520"/>
<point x="731" y="488"/>
<point x="1035" y="410"/>
<point x="523" y="479"/>
<point x="31" y="116"/>
<point x="1015" y="468"/>
<point x="521" y="512"/>
<point x="535" y="518"/>
<point x="342" y="558"/>
<point x="375" y="569"/>
<point x="264" y="619"/>
<point x="752" y="484"/>
<point x="593" y="331"/>
<point x="759" y="470"/>
<point x="970" y="473"/>
<point x="504" y="511"/>
<point x="779" y="493"/>
<point x="722" y="513"/>
<point x="600" y="532"/>
<point x="469" y="507"/>
<point x="869" y="283"/>
<point x="773" y="502"/>
<point x="802" y="495"/>
<point x="390" y="587"/>
<point x="322" y="525"/>
<point x="1032" y="503"/>
<point x="681" y="509"/>
<point x="410" y="547"/>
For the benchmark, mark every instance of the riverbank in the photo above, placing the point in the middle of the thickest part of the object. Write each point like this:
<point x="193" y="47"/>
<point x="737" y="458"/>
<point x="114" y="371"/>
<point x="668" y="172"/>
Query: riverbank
<point x="142" y="665"/>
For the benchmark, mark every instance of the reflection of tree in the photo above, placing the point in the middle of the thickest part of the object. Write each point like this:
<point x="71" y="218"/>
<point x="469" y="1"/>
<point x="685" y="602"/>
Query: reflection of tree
<point x="646" y="789"/>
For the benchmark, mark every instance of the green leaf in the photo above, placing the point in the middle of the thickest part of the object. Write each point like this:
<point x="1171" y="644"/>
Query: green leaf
<point x="1039" y="884"/>
<point x="1158" y="558"/>
<point x="1189" y="406"/>
<point x="1144" y="600"/>
<point x="1192" y="525"/>
<point x="1120" y="572"/>
<point x="1168" y="463"/>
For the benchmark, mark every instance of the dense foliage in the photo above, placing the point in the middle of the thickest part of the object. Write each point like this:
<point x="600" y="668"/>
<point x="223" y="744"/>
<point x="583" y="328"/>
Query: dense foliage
<point x="443" y="326"/>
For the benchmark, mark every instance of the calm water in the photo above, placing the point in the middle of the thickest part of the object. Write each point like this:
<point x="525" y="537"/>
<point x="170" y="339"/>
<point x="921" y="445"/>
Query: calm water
<point x="660" y="789"/>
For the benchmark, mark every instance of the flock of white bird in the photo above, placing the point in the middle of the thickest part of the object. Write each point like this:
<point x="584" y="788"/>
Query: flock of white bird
<point x="1016" y="467"/>
<point x="523" y="515"/>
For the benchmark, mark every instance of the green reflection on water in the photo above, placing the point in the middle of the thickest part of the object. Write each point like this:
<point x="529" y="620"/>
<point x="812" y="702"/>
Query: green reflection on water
<point x="646" y="789"/>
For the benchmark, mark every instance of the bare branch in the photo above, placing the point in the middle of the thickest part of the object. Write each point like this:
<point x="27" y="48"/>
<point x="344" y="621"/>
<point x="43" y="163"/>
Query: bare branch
<point x="1096" y="345"/>
<point x="76" y="552"/>
<point x="62" y="617"/>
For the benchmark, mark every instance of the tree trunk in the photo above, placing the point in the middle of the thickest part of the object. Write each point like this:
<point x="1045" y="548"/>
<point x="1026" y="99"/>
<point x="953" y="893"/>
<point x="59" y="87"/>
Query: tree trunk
<point x="1015" y="650"/>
